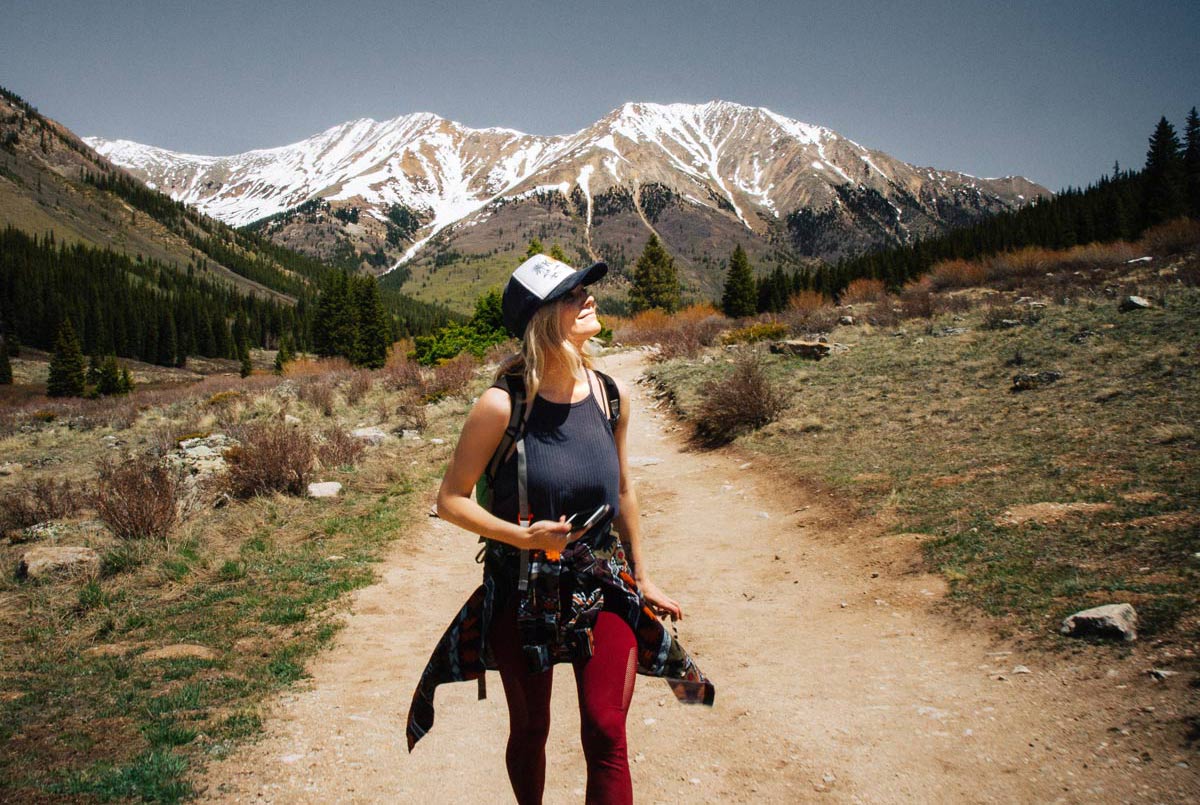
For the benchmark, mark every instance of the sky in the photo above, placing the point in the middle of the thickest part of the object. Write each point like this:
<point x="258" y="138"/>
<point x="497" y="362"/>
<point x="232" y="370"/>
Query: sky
<point x="1054" y="91"/>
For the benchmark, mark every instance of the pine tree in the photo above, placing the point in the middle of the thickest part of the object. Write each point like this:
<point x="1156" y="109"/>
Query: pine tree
<point x="109" y="382"/>
<point x="557" y="253"/>
<point x="92" y="377"/>
<point x="6" y="377"/>
<point x="1164" y="181"/>
<point x="535" y="247"/>
<point x="655" y="281"/>
<point x="739" y="297"/>
<point x="1191" y="161"/>
<point x="372" y="335"/>
<point x="246" y="366"/>
<point x="283" y="356"/>
<point x="66" y="367"/>
<point x="126" y="380"/>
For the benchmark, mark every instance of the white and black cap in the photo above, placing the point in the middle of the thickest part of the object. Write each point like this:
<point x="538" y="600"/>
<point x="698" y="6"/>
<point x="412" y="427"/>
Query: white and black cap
<point x="539" y="281"/>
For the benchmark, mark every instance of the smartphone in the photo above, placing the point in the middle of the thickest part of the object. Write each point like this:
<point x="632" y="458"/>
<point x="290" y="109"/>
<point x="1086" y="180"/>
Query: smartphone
<point x="578" y="523"/>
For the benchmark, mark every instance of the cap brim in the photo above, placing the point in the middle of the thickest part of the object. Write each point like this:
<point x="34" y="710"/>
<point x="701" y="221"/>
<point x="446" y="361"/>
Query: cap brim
<point x="584" y="276"/>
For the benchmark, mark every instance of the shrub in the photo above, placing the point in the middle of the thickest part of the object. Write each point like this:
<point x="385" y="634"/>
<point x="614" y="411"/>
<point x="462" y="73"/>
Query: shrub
<point x="1172" y="237"/>
<point x="759" y="331"/>
<point x="38" y="501"/>
<point x="681" y="335"/>
<point x="272" y="457"/>
<point x="338" y="448"/>
<point x="136" y="498"/>
<point x="744" y="401"/>
<point x="957" y="274"/>
<point x="318" y="392"/>
<point x="916" y="300"/>
<point x="451" y="378"/>
<point x="863" y="291"/>
<point x="410" y="410"/>
<point x="808" y="301"/>
<point x="400" y="373"/>
<point x="358" y="386"/>
<point x="223" y="397"/>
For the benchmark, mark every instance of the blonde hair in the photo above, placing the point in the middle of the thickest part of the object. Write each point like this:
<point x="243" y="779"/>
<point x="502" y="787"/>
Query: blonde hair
<point x="544" y="342"/>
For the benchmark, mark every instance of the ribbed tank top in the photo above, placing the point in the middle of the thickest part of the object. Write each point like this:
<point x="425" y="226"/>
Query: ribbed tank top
<point x="571" y="463"/>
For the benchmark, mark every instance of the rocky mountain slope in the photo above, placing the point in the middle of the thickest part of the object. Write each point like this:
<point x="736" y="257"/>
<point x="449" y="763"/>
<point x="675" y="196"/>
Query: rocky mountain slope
<point x="455" y="206"/>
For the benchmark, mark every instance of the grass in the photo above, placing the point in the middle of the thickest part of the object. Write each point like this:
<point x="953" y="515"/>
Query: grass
<point x="259" y="582"/>
<point x="925" y="433"/>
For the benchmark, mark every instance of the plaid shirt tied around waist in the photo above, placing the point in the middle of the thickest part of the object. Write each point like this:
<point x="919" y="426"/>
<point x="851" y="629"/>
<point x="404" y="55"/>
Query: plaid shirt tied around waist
<point x="557" y="606"/>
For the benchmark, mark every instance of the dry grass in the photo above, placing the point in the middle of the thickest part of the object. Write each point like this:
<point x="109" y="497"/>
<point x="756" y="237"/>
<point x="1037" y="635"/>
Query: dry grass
<point x="357" y="386"/>
<point x="451" y="378"/>
<point x="401" y="374"/>
<point x="317" y="391"/>
<point x="753" y="333"/>
<point x="863" y="291"/>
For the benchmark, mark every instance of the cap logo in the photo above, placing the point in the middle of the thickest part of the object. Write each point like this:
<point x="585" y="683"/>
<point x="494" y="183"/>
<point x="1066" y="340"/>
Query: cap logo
<point x="541" y="274"/>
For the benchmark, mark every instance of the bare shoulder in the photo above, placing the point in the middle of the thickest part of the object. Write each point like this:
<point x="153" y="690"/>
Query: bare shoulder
<point x="494" y="404"/>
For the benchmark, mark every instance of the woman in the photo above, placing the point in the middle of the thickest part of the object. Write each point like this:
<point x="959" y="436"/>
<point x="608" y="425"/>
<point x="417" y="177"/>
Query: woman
<point x="552" y="594"/>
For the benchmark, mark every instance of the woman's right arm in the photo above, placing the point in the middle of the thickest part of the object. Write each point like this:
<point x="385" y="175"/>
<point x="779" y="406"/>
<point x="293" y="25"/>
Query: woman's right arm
<point x="479" y="439"/>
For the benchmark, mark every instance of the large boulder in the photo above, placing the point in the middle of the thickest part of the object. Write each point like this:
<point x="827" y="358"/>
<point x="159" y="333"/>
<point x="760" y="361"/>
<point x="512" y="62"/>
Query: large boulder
<point x="1027" y="382"/>
<point x="48" y="561"/>
<point x="1111" y="621"/>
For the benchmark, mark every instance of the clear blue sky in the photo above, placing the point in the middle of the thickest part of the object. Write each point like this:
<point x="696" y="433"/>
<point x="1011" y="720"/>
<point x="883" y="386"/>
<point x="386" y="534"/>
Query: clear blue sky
<point x="1051" y="90"/>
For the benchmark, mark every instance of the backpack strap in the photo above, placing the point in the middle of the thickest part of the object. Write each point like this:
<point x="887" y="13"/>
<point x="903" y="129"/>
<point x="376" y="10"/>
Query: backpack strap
<point x="514" y="384"/>
<point x="613" y="395"/>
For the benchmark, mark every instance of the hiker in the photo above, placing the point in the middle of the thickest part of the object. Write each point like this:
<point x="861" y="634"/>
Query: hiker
<point x="548" y="441"/>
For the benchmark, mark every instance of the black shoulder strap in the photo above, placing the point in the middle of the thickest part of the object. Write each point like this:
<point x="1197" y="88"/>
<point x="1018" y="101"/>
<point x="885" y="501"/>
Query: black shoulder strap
<point x="613" y="395"/>
<point x="514" y="384"/>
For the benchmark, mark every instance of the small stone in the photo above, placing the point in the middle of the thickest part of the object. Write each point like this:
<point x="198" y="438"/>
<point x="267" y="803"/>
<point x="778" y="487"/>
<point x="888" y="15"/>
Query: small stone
<point x="639" y="757"/>
<point x="1135" y="303"/>
<point x="289" y="759"/>
<point x="1161" y="674"/>
<point x="334" y="558"/>
<point x="288" y="419"/>
<point x="1021" y="669"/>
<point x="764" y="516"/>
<point x="10" y="467"/>
<point x="324" y="489"/>
<point x="828" y="778"/>
<point x="649" y="722"/>
<point x="372" y="436"/>
<point x="694" y="781"/>
<point x="437" y="441"/>
<point x="844" y="605"/>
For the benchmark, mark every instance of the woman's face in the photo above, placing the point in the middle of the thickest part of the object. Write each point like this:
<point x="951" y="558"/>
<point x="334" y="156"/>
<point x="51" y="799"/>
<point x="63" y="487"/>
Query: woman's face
<point x="577" y="316"/>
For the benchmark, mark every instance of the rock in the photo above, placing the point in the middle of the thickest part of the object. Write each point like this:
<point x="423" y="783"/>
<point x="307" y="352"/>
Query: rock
<point x="180" y="651"/>
<point x="372" y="436"/>
<point x="1007" y="324"/>
<point x="1135" y="303"/>
<point x="109" y="650"/>
<point x="1021" y="669"/>
<point x="10" y="467"/>
<point x="437" y="441"/>
<point x="1039" y="380"/>
<point x="202" y="456"/>
<point x="846" y="321"/>
<point x="1081" y="336"/>
<point x="1139" y="260"/>
<point x="288" y="419"/>
<point x="1161" y="674"/>
<point x="408" y="433"/>
<point x="324" y="489"/>
<point x="811" y="350"/>
<point x="1114" y="621"/>
<point x="644" y="461"/>
<point x="52" y="560"/>
<point x="942" y="332"/>
<point x="53" y="530"/>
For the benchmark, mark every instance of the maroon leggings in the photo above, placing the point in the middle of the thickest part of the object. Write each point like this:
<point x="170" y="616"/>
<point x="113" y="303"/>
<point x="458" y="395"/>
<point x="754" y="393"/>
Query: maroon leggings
<point x="605" y="686"/>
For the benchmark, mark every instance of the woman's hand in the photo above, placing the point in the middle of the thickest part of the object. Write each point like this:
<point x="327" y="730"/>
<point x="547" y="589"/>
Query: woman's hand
<point x="660" y="602"/>
<point x="550" y="536"/>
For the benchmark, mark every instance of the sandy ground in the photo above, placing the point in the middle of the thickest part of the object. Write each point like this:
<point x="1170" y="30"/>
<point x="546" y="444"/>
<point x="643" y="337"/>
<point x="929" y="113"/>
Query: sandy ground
<point x="838" y="677"/>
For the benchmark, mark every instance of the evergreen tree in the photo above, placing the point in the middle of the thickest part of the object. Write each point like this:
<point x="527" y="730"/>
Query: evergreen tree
<point x="1191" y="162"/>
<point x="93" y="371"/>
<point x="334" y="330"/>
<point x="246" y="366"/>
<point x="6" y="377"/>
<point x="66" y="367"/>
<point x="283" y="356"/>
<point x="557" y="253"/>
<point x="372" y="335"/>
<point x="489" y="314"/>
<point x="1163" y="176"/>
<point x="535" y="247"/>
<point x="126" y="380"/>
<point x="739" y="297"/>
<point x="655" y="281"/>
<point x="110" y="380"/>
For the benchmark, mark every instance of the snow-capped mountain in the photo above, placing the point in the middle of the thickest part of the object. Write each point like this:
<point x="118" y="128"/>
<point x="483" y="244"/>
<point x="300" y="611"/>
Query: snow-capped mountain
<point x="736" y="168"/>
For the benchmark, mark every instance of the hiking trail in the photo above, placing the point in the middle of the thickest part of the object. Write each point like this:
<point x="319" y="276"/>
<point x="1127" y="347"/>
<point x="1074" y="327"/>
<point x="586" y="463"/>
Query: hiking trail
<point x="838" y="679"/>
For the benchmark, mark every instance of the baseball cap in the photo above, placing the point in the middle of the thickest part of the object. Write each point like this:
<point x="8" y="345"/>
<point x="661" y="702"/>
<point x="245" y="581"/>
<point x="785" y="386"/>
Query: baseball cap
<point x="539" y="281"/>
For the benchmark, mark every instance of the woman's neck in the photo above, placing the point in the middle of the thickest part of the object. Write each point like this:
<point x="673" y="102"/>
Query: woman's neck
<point x="558" y="383"/>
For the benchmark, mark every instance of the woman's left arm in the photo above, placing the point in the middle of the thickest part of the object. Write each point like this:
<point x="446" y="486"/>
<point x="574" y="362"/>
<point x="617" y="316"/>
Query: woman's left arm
<point x="628" y="522"/>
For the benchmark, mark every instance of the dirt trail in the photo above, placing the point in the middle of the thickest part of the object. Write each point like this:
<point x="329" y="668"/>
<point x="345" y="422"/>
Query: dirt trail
<point x="832" y="683"/>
